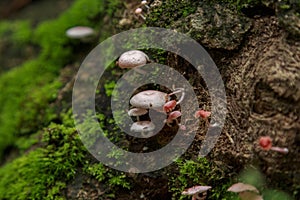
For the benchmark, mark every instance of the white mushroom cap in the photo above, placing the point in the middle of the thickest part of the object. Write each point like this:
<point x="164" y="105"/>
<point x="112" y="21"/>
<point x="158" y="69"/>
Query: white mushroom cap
<point x="142" y="126"/>
<point x="149" y="99"/>
<point x="144" y="2"/>
<point x="137" y="111"/>
<point x="79" y="32"/>
<point x="132" y="58"/>
<point x="195" y="190"/>
<point x="242" y="187"/>
<point x="138" y="11"/>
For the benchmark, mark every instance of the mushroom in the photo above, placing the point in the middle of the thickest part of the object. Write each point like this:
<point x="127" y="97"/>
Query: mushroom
<point x="202" y="113"/>
<point x="132" y="58"/>
<point x="245" y="191"/>
<point x="149" y="99"/>
<point x="195" y="191"/>
<point x="242" y="187"/>
<point x="83" y="33"/>
<point x="142" y="127"/>
<point x="144" y="3"/>
<point x="265" y="142"/>
<point x="169" y="106"/>
<point x="138" y="12"/>
<point x="173" y="116"/>
<point x="153" y="99"/>
<point x="136" y="112"/>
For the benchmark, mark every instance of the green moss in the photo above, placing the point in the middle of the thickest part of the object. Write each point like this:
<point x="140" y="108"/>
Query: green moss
<point x="51" y="36"/>
<point x="109" y="87"/>
<point x="170" y="11"/>
<point x="25" y="142"/>
<point x="23" y="98"/>
<point x="198" y="172"/>
<point x="239" y="4"/>
<point x="27" y="90"/>
<point x="112" y="178"/>
<point x="18" y="32"/>
<point x="42" y="173"/>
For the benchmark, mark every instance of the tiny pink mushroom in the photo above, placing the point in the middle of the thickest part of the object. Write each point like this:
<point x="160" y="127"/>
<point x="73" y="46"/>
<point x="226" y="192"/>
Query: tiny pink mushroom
<point x="202" y="113"/>
<point x="265" y="142"/>
<point x="182" y="127"/>
<point x="169" y="106"/>
<point x="173" y="116"/>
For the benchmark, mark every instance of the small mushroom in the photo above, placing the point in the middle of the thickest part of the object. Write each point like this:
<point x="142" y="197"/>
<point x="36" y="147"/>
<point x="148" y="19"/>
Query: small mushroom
<point x="195" y="191"/>
<point x="136" y="112"/>
<point x="242" y="187"/>
<point x="169" y="106"/>
<point x="83" y="33"/>
<point x="173" y="116"/>
<point x="142" y="127"/>
<point x="138" y="12"/>
<point x="149" y="99"/>
<point x="245" y="191"/>
<point x="153" y="99"/>
<point x="202" y="113"/>
<point x="132" y="58"/>
<point x="265" y="142"/>
<point x="144" y="3"/>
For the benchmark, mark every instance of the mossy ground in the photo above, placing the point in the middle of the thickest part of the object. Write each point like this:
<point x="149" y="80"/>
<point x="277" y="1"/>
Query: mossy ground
<point x="46" y="157"/>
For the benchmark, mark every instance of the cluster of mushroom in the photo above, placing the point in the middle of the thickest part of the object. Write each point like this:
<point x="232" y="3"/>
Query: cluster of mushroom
<point x="158" y="101"/>
<point x="149" y="99"/>
<point x="245" y="191"/>
<point x="152" y="99"/>
<point x="139" y="10"/>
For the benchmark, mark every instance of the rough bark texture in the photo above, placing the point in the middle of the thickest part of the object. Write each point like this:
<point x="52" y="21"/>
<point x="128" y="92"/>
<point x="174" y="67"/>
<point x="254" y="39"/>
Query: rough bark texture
<point x="259" y="58"/>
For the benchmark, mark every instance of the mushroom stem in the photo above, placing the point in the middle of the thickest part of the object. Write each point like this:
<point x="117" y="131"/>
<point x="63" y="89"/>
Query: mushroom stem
<point x="142" y="16"/>
<point x="280" y="149"/>
<point x="147" y="7"/>
<point x="168" y="123"/>
<point x="144" y="3"/>
<point x="179" y="90"/>
<point x="176" y="120"/>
